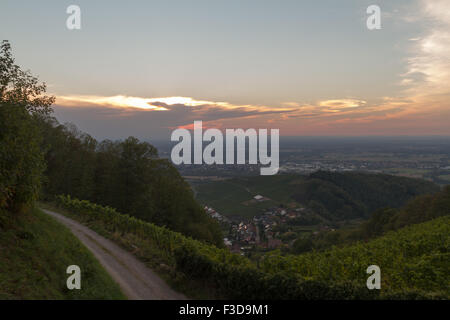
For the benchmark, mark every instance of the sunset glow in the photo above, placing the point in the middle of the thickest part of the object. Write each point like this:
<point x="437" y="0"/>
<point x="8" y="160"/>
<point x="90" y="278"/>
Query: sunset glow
<point x="346" y="80"/>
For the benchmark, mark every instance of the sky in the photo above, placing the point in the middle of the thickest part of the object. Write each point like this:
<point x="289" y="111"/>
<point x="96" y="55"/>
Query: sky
<point x="308" y="68"/>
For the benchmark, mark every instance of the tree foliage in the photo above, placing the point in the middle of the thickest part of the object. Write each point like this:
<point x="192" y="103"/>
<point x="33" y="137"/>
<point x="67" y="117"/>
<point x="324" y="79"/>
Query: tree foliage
<point x="22" y="99"/>
<point x="349" y="195"/>
<point x="21" y="88"/>
<point x="419" y="209"/>
<point x="127" y="175"/>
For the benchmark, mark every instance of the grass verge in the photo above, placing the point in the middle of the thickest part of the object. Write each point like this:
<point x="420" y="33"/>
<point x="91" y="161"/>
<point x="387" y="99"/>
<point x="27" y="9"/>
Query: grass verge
<point x="35" y="251"/>
<point x="149" y="253"/>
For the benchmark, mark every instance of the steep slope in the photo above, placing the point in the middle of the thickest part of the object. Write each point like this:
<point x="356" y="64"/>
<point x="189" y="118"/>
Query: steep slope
<point x="413" y="261"/>
<point x="420" y="209"/>
<point x="35" y="252"/>
<point x="136" y="280"/>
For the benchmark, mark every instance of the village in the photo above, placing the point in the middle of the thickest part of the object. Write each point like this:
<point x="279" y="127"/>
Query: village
<point x="262" y="232"/>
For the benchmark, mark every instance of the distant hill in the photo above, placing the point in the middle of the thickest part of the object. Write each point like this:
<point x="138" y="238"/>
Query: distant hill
<point x="332" y="195"/>
<point x="417" y="210"/>
<point x="354" y="195"/>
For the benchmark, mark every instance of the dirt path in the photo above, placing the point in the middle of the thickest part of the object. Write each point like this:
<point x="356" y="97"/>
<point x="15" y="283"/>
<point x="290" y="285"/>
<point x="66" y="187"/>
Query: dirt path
<point x="136" y="280"/>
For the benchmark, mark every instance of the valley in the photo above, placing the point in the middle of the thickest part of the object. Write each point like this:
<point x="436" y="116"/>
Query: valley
<point x="259" y="213"/>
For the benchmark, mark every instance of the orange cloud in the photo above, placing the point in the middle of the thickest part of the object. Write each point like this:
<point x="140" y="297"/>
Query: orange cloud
<point x="157" y="104"/>
<point x="423" y="104"/>
<point x="118" y="101"/>
<point x="340" y="104"/>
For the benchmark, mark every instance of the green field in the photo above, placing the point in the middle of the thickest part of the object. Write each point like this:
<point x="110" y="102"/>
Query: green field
<point x="233" y="197"/>
<point x="35" y="251"/>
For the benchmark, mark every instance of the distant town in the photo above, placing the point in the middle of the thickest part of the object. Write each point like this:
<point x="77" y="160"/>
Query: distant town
<point x="260" y="232"/>
<point x="426" y="159"/>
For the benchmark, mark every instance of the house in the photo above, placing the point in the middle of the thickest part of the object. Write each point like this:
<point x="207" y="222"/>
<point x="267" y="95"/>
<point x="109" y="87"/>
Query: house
<point x="227" y="242"/>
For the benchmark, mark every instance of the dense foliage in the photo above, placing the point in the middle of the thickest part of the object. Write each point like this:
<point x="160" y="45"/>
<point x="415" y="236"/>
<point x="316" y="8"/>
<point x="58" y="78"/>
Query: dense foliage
<point x="406" y="258"/>
<point x="336" y="195"/>
<point x="412" y="258"/>
<point x="127" y="175"/>
<point x="21" y="161"/>
<point x="420" y="209"/>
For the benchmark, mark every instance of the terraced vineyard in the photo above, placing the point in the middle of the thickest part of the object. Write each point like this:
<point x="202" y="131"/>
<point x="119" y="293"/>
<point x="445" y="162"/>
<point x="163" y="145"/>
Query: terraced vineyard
<point x="413" y="260"/>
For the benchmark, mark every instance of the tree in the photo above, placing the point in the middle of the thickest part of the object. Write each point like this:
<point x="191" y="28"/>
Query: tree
<point x="302" y="245"/>
<point x="127" y="175"/>
<point x="21" y="161"/>
<point x="20" y="88"/>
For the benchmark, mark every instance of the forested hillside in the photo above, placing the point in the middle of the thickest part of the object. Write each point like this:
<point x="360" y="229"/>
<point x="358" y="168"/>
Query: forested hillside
<point x="355" y="195"/>
<point x="22" y="101"/>
<point x="127" y="175"/>
<point x="351" y="194"/>
<point x="420" y="209"/>
<point x="333" y="196"/>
